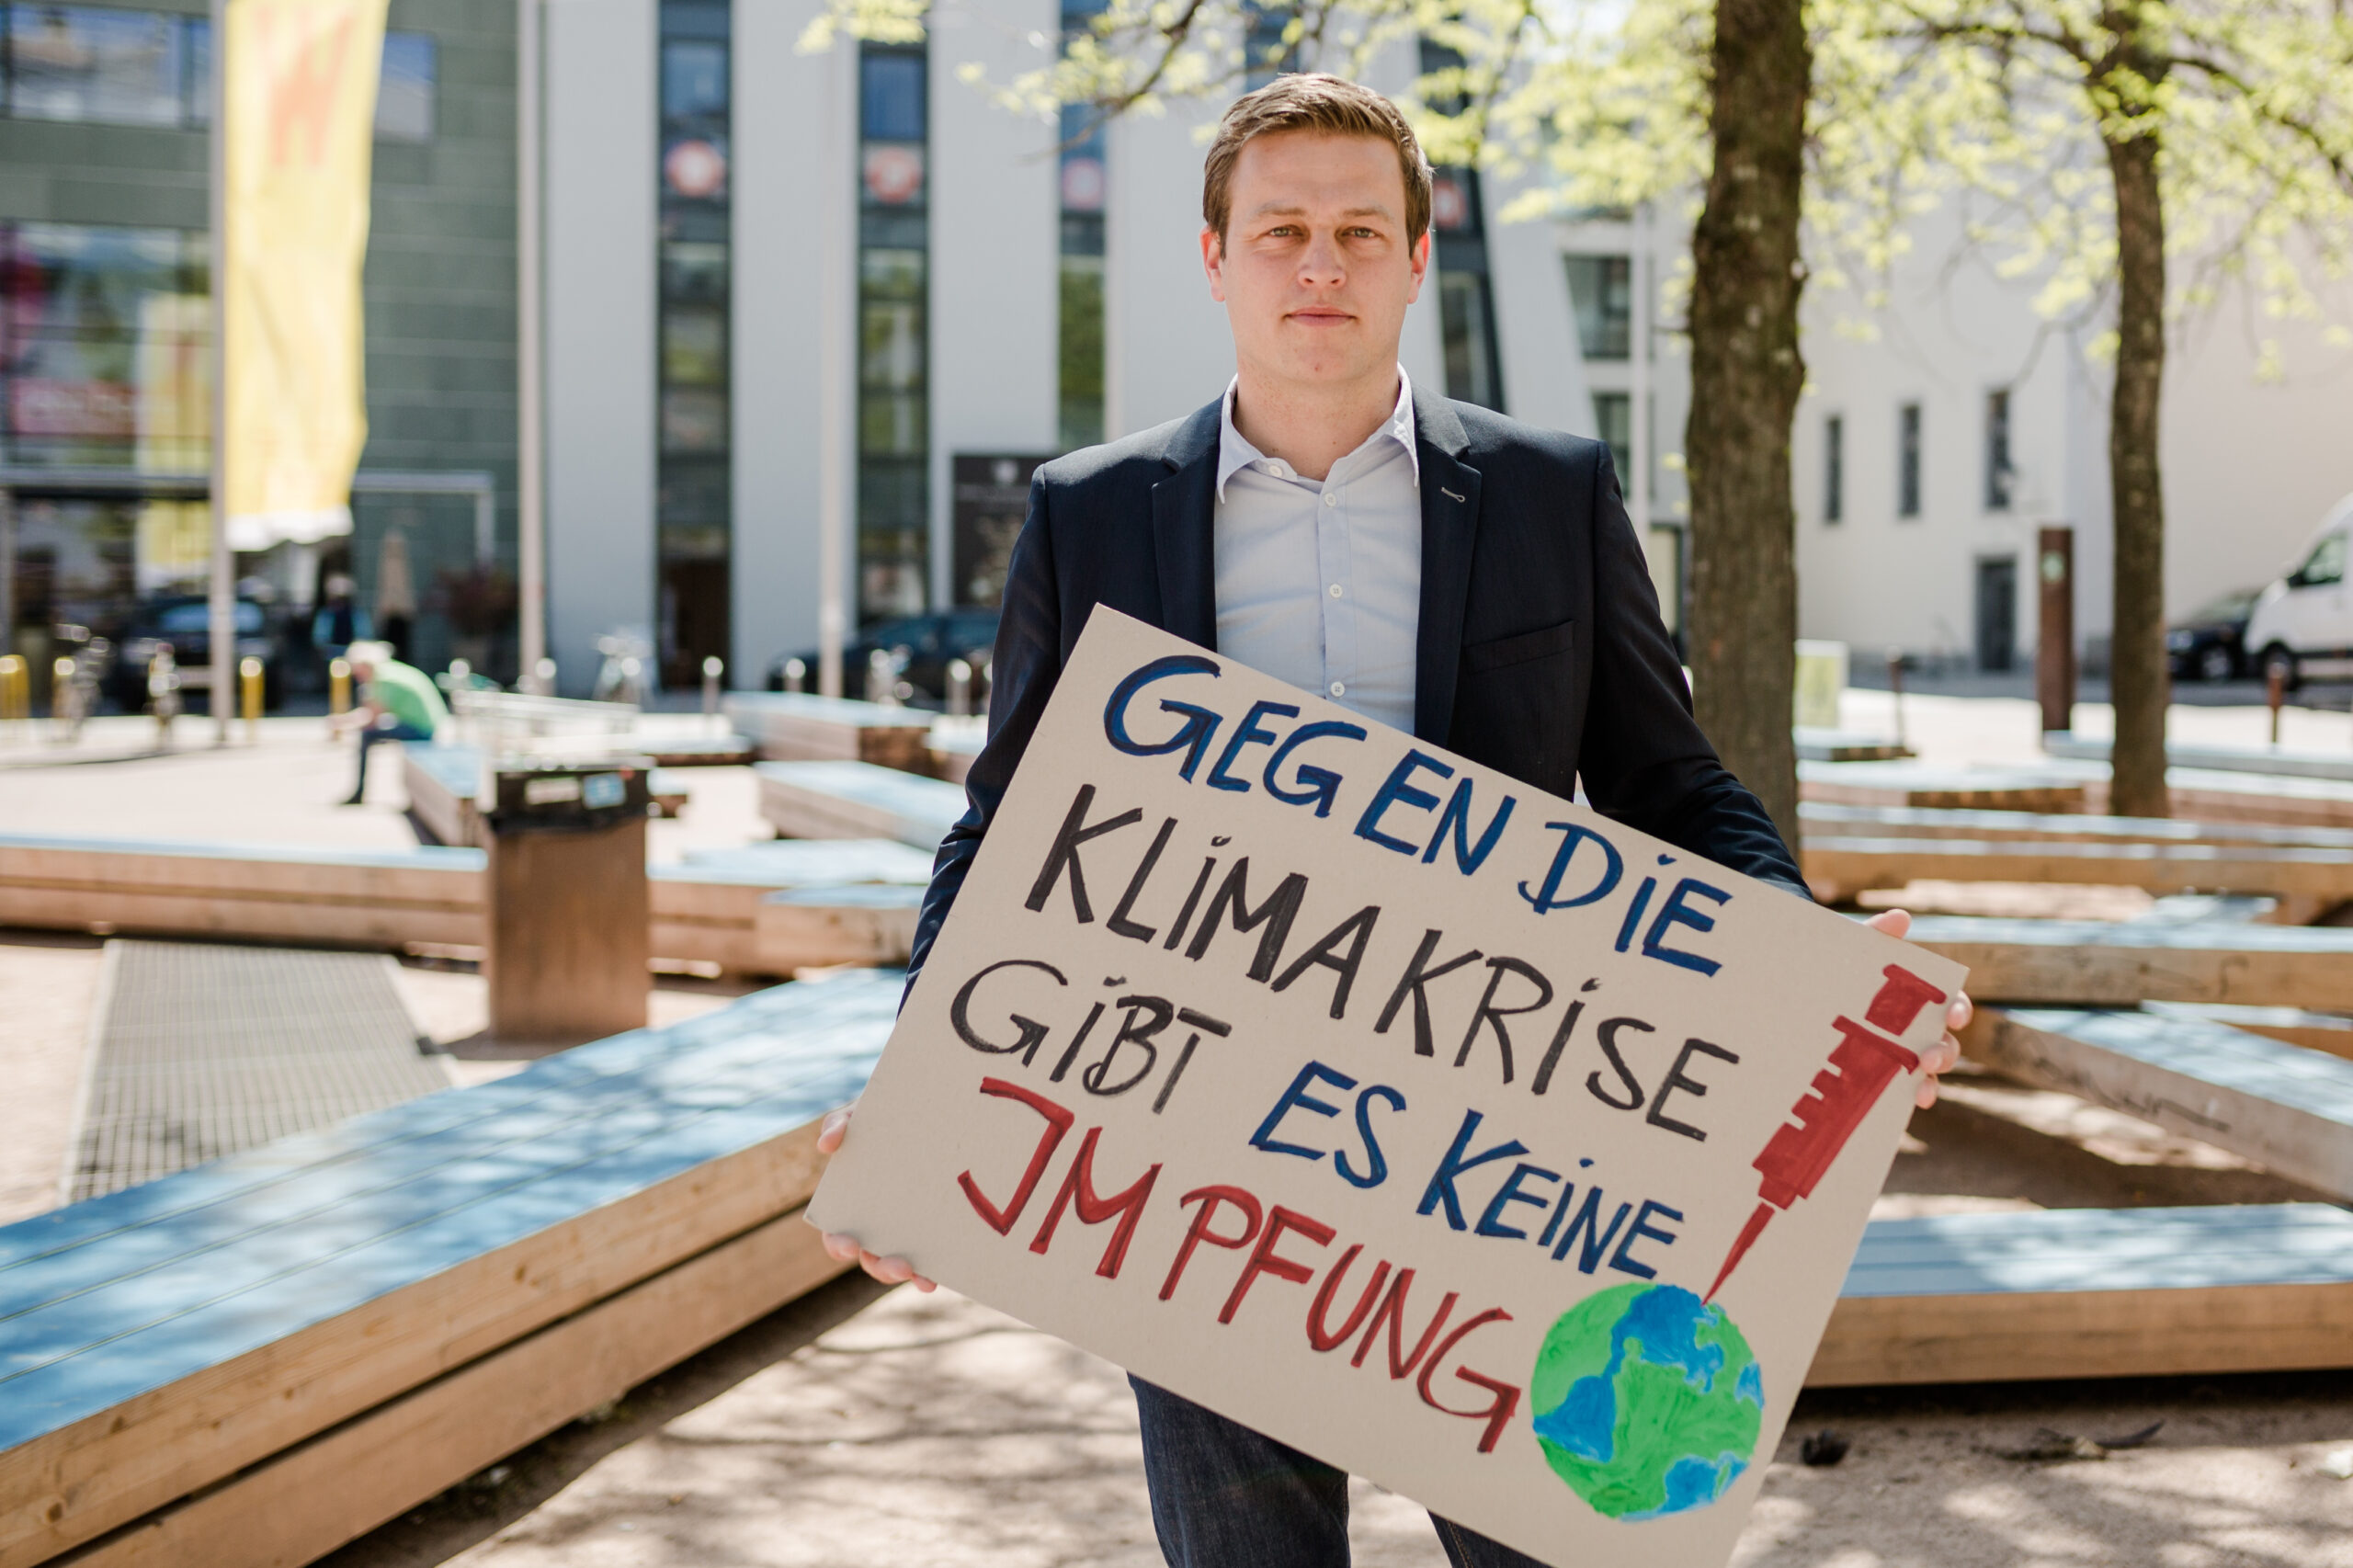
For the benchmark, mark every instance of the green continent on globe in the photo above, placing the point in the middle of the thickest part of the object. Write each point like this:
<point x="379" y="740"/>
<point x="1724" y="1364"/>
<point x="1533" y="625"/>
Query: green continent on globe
<point x="1647" y="1401"/>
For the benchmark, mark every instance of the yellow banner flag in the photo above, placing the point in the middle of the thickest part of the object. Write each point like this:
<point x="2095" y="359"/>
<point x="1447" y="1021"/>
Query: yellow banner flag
<point x="301" y="111"/>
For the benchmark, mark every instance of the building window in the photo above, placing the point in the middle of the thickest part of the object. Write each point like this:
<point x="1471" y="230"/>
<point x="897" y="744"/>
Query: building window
<point x="1613" y="420"/>
<point x="1998" y="471"/>
<point x="1264" y="53"/>
<point x="1601" y="291"/>
<point x="1834" y="469"/>
<point x="1084" y="169"/>
<point x="1907" y="461"/>
<point x="894" y="331"/>
<point x="150" y="68"/>
<point x="694" y="488"/>
<point x="1459" y="252"/>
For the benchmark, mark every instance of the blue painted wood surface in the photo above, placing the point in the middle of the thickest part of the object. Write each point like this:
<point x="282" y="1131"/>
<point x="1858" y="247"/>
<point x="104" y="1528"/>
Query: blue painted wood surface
<point x="853" y="896"/>
<point x="753" y="706"/>
<point x="809" y="862"/>
<point x="2104" y="1249"/>
<point x="921" y="809"/>
<point x="423" y="857"/>
<point x="106" y="1300"/>
<point x="2216" y="937"/>
<point x="2308" y="1080"/>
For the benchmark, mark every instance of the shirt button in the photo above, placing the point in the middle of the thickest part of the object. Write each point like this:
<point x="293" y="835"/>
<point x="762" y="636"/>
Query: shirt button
<point x="1339" y="689"/>
<point x="1336" y="590"/>
<point x="1331" y="498"/>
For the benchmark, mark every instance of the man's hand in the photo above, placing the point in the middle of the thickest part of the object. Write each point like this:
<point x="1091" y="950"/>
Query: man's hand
<point x="1939" y="1060"/>
<point x="844" y="1249"/>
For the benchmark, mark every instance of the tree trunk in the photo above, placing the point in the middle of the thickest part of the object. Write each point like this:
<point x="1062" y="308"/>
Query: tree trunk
<point x="1746" y="378"/>
<point x="2137" y="676"/>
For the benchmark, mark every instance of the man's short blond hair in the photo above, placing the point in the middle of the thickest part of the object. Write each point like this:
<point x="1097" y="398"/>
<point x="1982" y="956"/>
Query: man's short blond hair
<point x="1330" y="106"/>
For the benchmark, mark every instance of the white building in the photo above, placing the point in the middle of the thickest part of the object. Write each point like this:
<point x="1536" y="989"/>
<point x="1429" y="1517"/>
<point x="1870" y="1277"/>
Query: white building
<point x="781" y="287"/>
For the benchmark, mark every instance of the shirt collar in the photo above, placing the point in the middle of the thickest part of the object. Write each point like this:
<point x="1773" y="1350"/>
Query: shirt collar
<point x="1234" y="451"/>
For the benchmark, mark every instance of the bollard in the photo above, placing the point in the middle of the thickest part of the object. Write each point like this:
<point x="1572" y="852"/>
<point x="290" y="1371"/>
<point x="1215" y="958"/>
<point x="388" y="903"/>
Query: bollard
<point x="796" y="675"/>
<point x="339" y="686"/>
<point x="712" y="666"/>
<point x="65" y="713"/>
<point x="163" y="692"/>
<point x="881" y="679"/>
<point x="960" y="689"/>
<point x="12" y="674"/>
<point x="543" y="678"/>
<point x="1895" y="685"/>
<point x="2275" y="694"/>
<point x="461" y="675"/>
<point x="249" y="689"/>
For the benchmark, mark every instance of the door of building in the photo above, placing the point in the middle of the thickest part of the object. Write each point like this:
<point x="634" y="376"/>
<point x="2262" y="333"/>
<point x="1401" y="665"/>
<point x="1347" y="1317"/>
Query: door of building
<point x="1998" y="613"/>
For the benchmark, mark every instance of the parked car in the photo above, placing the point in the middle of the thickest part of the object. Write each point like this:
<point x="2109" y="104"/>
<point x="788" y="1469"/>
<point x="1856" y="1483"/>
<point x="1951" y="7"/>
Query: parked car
<point x="2209" y="644"/>
<point x="2302" y="624"/>
<point x="921" y="645"/>
<point x="185" y="622"/>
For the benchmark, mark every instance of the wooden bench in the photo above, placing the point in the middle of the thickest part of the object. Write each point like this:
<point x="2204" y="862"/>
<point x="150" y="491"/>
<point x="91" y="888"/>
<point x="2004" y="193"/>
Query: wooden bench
<point x="857" y="800"/>
<point x="954" y="744"/>
<point x="260" y="1358"/>
<point x="1848" y="746"/>
<point x="2215" y="795"/>
<point x="872" y="924"/>
<point x="2100" y="964"/>
<point x="2269" y="760"/>
<point x="1839" y="867"/>
<point x="703" y="913"/>
<point x="1829" y="819"/>
<point x="2056" y="787"/>
<point x="2283" y="1106"/>
<point x="2093" y="1292"/>
<point x="443" y="781"/>
<point x="2331" y="1032"/>
<point x="791" y="726"/>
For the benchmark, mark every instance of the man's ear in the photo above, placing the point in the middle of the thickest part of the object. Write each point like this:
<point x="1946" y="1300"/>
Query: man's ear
<point x="1421" y="266"/>
<point x="1213" y="262"/>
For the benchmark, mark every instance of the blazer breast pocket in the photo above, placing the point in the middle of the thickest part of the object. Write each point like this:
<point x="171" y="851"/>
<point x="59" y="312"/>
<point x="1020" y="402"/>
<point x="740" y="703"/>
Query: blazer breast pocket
<point x="1502" y="652"/>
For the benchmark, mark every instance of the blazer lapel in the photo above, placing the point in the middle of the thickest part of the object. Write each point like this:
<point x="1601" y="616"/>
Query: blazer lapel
<point x="1184" y="514"/>
<point x="1449" y="525"/>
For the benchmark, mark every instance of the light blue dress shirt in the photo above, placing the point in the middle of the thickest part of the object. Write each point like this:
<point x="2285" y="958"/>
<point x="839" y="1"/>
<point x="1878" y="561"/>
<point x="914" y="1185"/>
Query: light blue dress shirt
<point x="1320" y="585"/>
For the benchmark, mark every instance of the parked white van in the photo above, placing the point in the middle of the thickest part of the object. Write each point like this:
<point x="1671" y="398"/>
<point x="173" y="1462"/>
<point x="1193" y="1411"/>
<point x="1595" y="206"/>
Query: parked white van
<point x="2302" y="625"/>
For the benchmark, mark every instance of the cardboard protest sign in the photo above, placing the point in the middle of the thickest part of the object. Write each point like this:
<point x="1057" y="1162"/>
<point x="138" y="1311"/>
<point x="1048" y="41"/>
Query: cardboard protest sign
<point x="1445" y="1130"/>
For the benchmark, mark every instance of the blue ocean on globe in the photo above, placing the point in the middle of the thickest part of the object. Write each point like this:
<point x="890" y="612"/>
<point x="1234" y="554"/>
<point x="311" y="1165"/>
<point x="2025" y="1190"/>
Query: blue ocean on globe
<point x="1647" y="1401"/>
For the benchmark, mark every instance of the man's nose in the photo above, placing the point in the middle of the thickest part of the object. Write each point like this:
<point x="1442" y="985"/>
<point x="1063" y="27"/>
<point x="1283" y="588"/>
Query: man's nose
<point x="1321" y="268"/>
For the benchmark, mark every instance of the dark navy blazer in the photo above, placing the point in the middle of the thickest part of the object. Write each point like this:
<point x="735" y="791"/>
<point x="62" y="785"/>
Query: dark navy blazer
<point x="1540" y="651"/>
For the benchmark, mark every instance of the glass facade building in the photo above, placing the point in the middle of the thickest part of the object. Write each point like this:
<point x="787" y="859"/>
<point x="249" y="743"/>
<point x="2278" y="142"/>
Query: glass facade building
<point x="1080" y="291"/>
<point x="694" y="515"/>
<point x="893" y="331"/>
<point x="1466" y="308"/>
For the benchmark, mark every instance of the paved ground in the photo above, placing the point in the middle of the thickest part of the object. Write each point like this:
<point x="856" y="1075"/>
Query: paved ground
<point x="858" y="1428"/>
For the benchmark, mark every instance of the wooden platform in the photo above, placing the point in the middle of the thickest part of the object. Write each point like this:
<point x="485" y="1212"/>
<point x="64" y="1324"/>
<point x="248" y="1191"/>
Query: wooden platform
<point x="1829" y="819"/>
<point x="442" y="781"/>
<point x="954" y="744"/>
<point x="327" y="1331"/>
<point x="857" y="800"/>
<point x="873" y="924"/>
<point x="2275" y="761"/>
<point x="2331" y="1032"/>
<point x="2058" y="787"/>
<point x="2214" y="796"/>
<point x="799" y="727"/>
<point x="2093" y="1292"/>
<point x="1848" y="745"/>
<point x="707" y="912"/>
<point x="2283" y="1106"/>
<point x="1839" y="867"/>
<point x="2095" y="963"/>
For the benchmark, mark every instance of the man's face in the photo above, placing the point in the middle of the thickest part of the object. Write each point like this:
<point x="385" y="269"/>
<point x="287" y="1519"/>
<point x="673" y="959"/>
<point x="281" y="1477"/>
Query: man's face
<point x="1314" y="269"/>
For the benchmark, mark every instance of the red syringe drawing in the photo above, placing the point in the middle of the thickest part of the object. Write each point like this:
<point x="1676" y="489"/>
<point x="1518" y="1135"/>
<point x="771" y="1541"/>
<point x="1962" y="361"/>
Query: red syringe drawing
<point x="1863" y="1062"/>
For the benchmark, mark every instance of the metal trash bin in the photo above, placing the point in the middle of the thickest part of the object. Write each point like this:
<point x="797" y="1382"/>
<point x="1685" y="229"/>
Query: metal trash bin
<point x="569" y="915"/>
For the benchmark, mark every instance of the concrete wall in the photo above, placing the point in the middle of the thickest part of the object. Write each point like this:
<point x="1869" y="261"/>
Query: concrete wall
<point x="601" y="211"/>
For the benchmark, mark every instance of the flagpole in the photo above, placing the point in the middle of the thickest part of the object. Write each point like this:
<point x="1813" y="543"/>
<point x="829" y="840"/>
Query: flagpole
<point x="531" y="428"/>
<point x="222" y="615"/>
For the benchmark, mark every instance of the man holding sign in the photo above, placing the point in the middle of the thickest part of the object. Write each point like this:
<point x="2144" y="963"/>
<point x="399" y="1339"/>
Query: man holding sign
<point x="1257" y="1014"/>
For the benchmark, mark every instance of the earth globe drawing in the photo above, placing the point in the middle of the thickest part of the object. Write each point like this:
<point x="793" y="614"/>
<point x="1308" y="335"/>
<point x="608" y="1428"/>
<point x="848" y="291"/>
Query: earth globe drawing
<point x="1646" y="1401"/>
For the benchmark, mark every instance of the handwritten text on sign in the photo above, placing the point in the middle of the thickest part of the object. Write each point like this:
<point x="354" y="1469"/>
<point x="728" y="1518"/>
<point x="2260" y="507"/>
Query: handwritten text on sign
<point x="1445" y="1130"/>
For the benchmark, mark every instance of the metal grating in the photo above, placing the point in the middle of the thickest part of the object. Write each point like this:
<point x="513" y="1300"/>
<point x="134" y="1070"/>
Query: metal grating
<point x="200" y="1050"/>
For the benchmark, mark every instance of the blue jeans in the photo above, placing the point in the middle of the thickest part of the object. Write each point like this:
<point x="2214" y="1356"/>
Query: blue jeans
<point x="371" y="736"/>
<point x="1225" y="1496"/>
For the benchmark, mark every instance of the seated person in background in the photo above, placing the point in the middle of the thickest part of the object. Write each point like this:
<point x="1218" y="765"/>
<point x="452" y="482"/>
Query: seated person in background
<point x="397" y="703"/>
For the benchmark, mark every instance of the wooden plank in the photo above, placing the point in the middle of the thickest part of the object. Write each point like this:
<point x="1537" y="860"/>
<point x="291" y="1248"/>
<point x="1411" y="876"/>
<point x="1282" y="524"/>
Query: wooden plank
<point x="2070" y="1293"/>
<point x="2274" y="761"/>
<point x="857" y="800"/>
<point x="1838" y="868"/>
<point x="807" y="927"/>
<point x="1825" y="819"/>
<point x="1848" y="745"/>
<point x="158" y="1340"/>
<point x="810" y="862"/>
<point x="800" y="727"/>
<point x="301" y="1504"/>
<point x="2287" y="1109"/>
<point x="440" y="785"/>
<point x="2095" y="963"/>
<point x="2053" y="788"/>
<point x="2330" y="1032"/>
<point x="2213" y="796"/>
